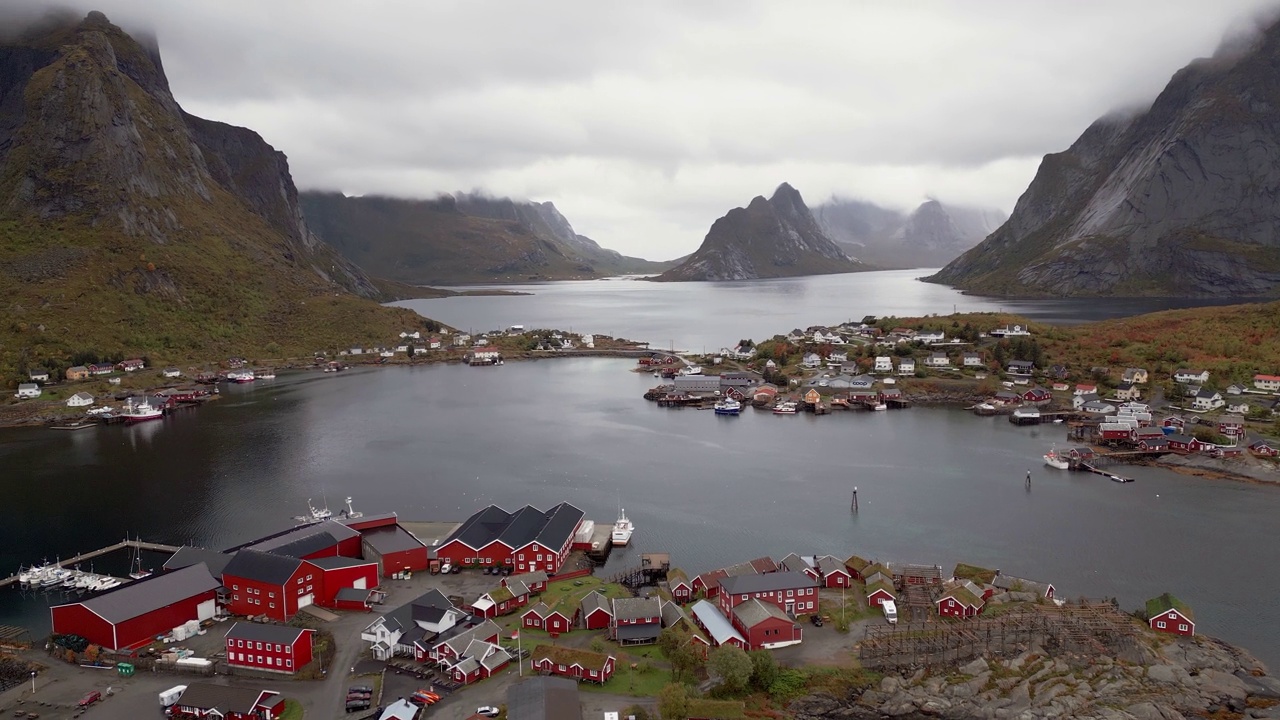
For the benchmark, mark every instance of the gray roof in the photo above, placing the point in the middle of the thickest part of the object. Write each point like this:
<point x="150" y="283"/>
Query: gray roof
<point x="540" y="608"/>
<point x="335" y="563"/>
<point x="351" y="594"/>
<point x="717" y="625"/>
<point x="529" y="578"/>
<point x="223" y="697"/>
<point x="187" y="556"/>
<point x="672" y="614"/>
<point x="283" y="634"/>
<point x="637" y="608"/>
<point x="261" y="566"/>
<point x="304" y="540"/>
<point x="143" y="596"/>
<point x="1008" y="582"/>
<point x="795" y="563"/>
<point x="639" y="632"/>
<point x="391" y="539"/>
<point x="593" y="601"/>
<point x="753" y="612"/>
<point x="543" y="698"/>
<point x="528" y="524"/>
<point x="828" y="565"/>
<point x="745" y="584"/>
<point x="459" y="642"/>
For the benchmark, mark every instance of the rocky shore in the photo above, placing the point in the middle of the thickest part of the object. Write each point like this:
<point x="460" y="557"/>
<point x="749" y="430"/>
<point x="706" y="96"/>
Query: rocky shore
<point x="1161" y="678"/>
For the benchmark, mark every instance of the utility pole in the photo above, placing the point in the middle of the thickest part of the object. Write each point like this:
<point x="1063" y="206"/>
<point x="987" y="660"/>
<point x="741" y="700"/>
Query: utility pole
<point x="853" y="504"/>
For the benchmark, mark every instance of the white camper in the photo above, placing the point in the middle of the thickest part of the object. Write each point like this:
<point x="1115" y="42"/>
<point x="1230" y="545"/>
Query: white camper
<point x="890" y="611"/>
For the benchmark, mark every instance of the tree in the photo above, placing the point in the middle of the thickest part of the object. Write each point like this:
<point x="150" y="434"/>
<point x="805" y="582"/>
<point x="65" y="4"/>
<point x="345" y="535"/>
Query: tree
<point x="764" y="669"/>
<point x="676" y="648"/>
<point x="673" y="702"/>
<point x="732" y="665"/>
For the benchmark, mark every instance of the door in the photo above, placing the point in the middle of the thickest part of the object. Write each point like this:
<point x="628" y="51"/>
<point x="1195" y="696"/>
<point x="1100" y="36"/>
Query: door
<point x="306" y="600"/>
<point x="791" y="608"/>
<point x="206" y="609"/>
<point x="361" y="584"/>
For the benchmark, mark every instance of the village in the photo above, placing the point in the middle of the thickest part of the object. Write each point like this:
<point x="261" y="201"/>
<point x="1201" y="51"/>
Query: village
<point x="1112" y="412"/>
<point x="390" y="618"/>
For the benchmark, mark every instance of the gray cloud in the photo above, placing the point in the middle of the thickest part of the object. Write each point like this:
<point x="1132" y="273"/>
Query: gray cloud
<point x="644" y="122"/>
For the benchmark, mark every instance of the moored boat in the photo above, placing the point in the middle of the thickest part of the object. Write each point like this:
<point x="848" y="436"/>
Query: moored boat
<point x="1054" y="460"/>
<point x="728" y="406"/>
<point x="622" y="529"/>
<point x="140" y="411"/>
<point x="785" y="407"/>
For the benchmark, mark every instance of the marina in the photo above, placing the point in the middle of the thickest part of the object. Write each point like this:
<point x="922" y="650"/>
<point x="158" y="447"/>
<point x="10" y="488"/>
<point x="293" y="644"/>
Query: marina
<point x="62" y="568"/>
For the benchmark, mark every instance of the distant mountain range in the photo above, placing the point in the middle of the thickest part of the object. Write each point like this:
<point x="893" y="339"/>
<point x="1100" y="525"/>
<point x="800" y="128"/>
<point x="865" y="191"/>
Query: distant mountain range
<point x="932" y="235"/>
<point x="778" y="237"/>
<point x="130" y="226"/>
<point x="462" y="239"/>
<point x="1177" y="200"/>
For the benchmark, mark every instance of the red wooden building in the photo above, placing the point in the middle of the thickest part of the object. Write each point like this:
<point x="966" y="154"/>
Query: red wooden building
<point x="880" y="590"/>
<point x="272" y="648"/>
<point x="1036" y="395"/>
<point x="526" y="540"/>
<point x="453" y="646"/>
<point x="1184" y="443"/>
<point x="962" y="601"/>
<point x="1168" y="614"/>
<point x="552" y="620"/>
<point x="765" y="625"/>
<point x="572" y="662"/>
<point x="791" y="592"/>
<point x="535" y="582"/>
<point x="262" y="583"/>
<point x="502" y="600"/>
<point x="834" y="573"/>
<point x="339" y="573"/>
<point x="679" y="585"/>
<point x="229" y="703"/>
<point x="385" y="542"/>
<point x="636" y="621"/>
<point x="132" y="615"/>
<point x="317" y="540"/>
<point x="596" y="611"/>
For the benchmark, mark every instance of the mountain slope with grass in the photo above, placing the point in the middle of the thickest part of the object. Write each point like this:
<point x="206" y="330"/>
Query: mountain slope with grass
<point x="129" y="227"/>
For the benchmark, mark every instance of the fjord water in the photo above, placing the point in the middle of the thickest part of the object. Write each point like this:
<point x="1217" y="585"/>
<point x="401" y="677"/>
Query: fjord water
<point x="437" y="442"/>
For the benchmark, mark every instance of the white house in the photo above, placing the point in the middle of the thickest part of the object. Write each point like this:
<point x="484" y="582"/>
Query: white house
<point x="1191" y="376"/>
<point x="972" y="360"/>
<point x="387" y="353"/>
<point x="1270" y="383"/>
<point x="1208" y="400"/>
<point x="1010" y="331"/>
<point x="415" y="335"/>
<point x="1241" y="408"/>
<point x="838" y="357"/>
<point x="171" y="372"/>
<point x="356" y="351"/>
<point x="906" y="366"/>
<point x="937" y="360"/>
<point x="588" y="341"/>
<point x="28" y="390"/>
<point x="929" y="337"/>
<point x="402" y="348"/>
<point x="770" y="365"/>
<point x="461" y="338"/>
<point x="420" y="350"/>
<point x="481" y="341"/>
<point x="395" y="632"/>
<point x="811" y="360"/>
<point x="38" y="375"/>
<point x="884" y="363"/>
<point x="80" y="399"/>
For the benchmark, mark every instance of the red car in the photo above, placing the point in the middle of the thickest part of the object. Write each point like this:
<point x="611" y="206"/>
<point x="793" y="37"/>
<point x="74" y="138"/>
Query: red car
<point x="90" y="699"/>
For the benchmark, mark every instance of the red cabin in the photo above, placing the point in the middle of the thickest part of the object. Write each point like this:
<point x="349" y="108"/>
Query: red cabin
<point x="270" y="648"/>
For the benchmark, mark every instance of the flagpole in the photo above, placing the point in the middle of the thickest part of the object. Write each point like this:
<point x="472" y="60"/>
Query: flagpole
<point x="519" y="653"/>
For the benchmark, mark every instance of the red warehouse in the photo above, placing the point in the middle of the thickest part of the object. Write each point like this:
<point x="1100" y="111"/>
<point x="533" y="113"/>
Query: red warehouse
<point x="527" y="540"/>
<point x="132" y="615"/>
<point x="271" y="648"/>
<point x="791" y="592"/>
<point x="572" y="663"/>
<point x="1184" y="443"/>
<point x="339" y="573"/>
<point x="1168" y="614"/>
<point x="765" y="625"/>
<point x="273" y="585"/>
<point x="322" y="539"/>
<point x="391" y="546"/>
<point x="229" y="703"/>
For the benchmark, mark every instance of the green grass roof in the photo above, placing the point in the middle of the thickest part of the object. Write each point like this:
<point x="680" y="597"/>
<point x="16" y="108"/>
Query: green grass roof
<point x="1157" y="605"/>
<point x="965" y="571"/>
<point x="881" y="586"/>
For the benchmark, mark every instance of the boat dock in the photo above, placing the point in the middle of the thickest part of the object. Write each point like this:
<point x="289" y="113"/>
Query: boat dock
<point x="1085" y="466"/>
<point x="601" y="542"/>
<point x="122" y="545"/>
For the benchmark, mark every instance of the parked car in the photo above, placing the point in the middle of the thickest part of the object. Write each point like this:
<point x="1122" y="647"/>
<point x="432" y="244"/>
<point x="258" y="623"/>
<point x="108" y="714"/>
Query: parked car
<point x="456" y="569"/>
<point x="446" y="568"/>
<point x="816" y="619"/>
<point x="357" y="705"/>
<point x="487" y="711"/>
<point x="89" y="699"/>
<point x="360" y="689"/>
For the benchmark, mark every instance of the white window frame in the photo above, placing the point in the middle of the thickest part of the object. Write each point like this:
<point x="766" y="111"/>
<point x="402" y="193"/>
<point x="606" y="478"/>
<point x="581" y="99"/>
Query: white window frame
<point x="1160" y="624"/>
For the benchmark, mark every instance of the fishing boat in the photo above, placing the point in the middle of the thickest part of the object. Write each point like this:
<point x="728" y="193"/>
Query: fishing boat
<point x="350" y="513"/>
<point x="1055" y="460"/>
<point x="55" y="576"/>
<point x="314" y="514"/>
<point x="984" y="409"/>
<point x="622" y="529"/>
<point x="140" y="411"/>
<point x="785" y="407"/>
<point x="240" y="376"/>
<point x="728" y="406"/>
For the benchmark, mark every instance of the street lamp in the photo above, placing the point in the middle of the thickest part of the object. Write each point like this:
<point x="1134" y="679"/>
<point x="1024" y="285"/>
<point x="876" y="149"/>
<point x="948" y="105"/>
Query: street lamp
<point x="33" y="681"/>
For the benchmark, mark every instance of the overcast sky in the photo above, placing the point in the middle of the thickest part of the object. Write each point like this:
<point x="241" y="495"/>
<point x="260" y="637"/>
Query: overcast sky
<point x="645" y="121"/>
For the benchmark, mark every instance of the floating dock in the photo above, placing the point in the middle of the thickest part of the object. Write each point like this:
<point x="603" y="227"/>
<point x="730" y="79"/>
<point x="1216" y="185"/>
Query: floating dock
<point x="122" y="545"/>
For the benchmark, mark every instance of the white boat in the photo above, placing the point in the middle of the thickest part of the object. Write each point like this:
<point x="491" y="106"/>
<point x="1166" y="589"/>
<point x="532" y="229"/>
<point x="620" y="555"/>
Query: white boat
<point x="351" y="513"/>
<point x="785" y="408"/>
<point x="314" y="514"/>
<point x="880" y="406"/>
<point x="265" y="374"/>
<point x="728" y="406"/>
<point x="691" y="370"/>
<point x="102" y="410"/>
<point x="622" y="529"/>
<point x="55" y="576"/>
<point x="240" y="376"/>
<point x="87" y="581"/>
<point x="141" y="411"/>
<point x="108" y="583"/>
<point x="136" y="571"/>
<point x="1054" y="460"/>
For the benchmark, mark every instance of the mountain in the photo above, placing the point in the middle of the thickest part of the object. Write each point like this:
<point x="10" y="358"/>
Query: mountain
<point x="462" y="239"/>
<point x="770" y="238"/>
<point x="932" y="235"/>
<point x="128" y="226"/>
<point x="1177" y="200"/>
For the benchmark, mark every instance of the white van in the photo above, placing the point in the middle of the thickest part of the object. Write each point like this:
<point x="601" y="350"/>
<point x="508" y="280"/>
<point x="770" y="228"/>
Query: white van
<point x="890" y="611"/>
<point x="170" y="697"/>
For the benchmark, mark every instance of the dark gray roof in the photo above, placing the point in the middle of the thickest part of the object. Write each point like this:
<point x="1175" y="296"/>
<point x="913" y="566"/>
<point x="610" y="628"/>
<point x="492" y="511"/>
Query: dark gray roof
<point x="143" y="596"/>
<point x="187" y="556"/>
<point x="305" y="539"/>
<point x="430" y="607"/>
<point x="283" y="634"/>
<point x="639" y="632"/>
<point x="766" y="583"/>
<point x="352" y="594"/>
<point x="753" y="612"/>
<point x="552" y="528"/>
<point x="543" y="698"/>
<point x="593" y="601"/>
<point x="637" y="608"/>
<point x="226" y="699"/>
<point x="335" y="563"/>
<point x="261" y="566"/>
<point x="391" y="539"/>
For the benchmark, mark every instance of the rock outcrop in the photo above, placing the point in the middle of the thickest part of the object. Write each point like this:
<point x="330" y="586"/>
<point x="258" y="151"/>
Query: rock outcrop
<point x="778" y="237"/>
<point x="1180" y="678"/>
<point x="932" y="235"/>
<point x="1177" y="200"/>
<point x="462" y="239"/>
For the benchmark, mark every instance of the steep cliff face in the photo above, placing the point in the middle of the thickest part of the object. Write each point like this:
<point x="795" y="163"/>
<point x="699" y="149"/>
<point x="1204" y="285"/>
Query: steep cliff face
<point x="126" y="223"/>
<point x="778" y="237"/>
<point x="462" y="239"/>
<point x="1179" y="200"/>
<point x="932" y="235"/>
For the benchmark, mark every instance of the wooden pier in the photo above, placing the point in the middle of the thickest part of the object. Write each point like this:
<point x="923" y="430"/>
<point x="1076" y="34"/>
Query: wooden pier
<point x="122" y="545"/>
<point x="653" y="567"/>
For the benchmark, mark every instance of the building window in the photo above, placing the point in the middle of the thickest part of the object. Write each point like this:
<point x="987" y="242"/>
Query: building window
<point x="271" y="594"/>
<point x="308" y="578"/>
<point x="1160" y="624"/>
<point x="789" y="593"/>
<point x="1182" y="627"/>
<point x="520" y="556"/>
<point x="235" y="587"/>
<point x="273" y="604"/>
<point x="308" y="588"/>
<point x="299" y="581"/>
<point x="288" y="663"/>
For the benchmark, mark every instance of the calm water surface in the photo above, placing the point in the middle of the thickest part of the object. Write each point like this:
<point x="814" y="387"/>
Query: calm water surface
<point x="935" y="485"/>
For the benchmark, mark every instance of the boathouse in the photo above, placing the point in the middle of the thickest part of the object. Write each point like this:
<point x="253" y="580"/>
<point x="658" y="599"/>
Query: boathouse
<point x="133" y="614"/>
<point x="1184" y="443"/>
<point x="636" y="621"/>
<point x="572" y="663"/>
<point x="765" y="625"/>
<point x="271" y="648"/>
<point x="224" y="702"/>
<point x="526" y="540"/>
<point x="1168" y="614"/>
